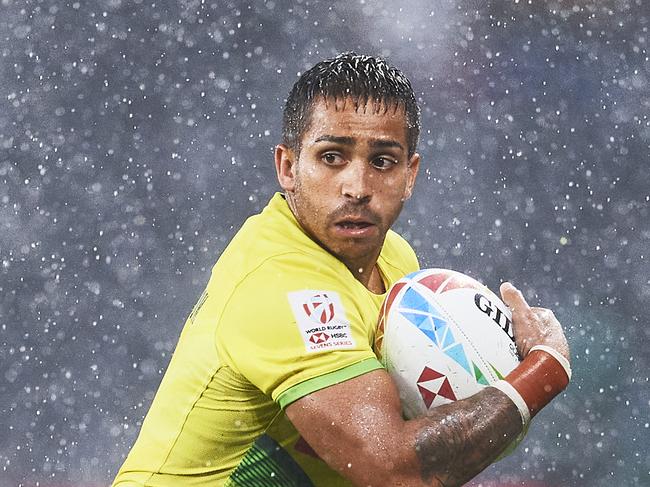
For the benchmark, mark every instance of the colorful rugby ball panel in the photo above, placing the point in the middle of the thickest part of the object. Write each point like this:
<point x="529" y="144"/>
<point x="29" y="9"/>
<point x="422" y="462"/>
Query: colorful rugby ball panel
<point x="443" y="336"/>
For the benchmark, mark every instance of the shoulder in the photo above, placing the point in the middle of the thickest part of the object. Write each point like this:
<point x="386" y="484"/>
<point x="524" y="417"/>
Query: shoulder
<point x="278" y="279"/>
<point x="265" y="239"/>
<point x="291" y="320"/>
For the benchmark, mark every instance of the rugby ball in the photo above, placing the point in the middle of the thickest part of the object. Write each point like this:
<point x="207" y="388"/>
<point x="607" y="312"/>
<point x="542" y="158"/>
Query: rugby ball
<point x="443" y="336"/>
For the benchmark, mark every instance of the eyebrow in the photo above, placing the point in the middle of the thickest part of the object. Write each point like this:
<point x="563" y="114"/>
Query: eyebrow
<point x="336" y="139"/>
<point x="374" y="143"/>
<point x="382" y="144"/>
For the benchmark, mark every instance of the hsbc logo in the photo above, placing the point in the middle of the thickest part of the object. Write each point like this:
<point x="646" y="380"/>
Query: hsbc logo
<point x="320" y="337"/>
<point x="435" y="387"/>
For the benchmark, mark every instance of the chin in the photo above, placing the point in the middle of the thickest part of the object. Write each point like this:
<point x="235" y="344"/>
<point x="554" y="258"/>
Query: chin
<point x="357" y="251"/>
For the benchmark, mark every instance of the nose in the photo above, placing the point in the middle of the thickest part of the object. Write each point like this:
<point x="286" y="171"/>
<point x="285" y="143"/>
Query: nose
<point x="356" y="181"/>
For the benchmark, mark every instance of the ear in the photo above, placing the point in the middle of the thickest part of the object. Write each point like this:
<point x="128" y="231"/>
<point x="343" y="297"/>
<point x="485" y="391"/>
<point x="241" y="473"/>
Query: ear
<point x="412" y="168"/>
<point x="285" y="167"/>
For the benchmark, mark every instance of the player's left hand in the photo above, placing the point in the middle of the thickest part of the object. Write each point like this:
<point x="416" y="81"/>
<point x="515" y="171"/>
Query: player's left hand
<point x="532" y="325"/>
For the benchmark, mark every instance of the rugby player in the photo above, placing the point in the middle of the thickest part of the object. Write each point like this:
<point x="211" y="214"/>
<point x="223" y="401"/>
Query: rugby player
<point x="274" y="381"/>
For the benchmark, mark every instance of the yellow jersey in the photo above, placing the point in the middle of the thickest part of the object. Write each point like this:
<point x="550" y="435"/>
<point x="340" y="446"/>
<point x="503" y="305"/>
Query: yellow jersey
<point x="279" y="319"/>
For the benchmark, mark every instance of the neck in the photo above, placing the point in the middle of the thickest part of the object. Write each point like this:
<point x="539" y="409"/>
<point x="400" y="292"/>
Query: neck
<point x="368" y="274"/>
<point x="364" y="270"/>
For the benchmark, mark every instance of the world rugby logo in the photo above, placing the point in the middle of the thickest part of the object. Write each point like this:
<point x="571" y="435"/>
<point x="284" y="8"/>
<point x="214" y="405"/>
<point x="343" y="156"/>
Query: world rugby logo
<point x="319" y="308"/>
<point x="321" y="319"/>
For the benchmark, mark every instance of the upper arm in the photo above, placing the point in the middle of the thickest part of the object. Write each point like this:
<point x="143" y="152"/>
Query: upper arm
<point x="356" y="426"/>
<point x="299" y="334"/>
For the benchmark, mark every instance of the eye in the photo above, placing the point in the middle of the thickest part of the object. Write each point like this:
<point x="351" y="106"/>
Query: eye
<point x="332" y="159"/>
<point x="383" y="162"/>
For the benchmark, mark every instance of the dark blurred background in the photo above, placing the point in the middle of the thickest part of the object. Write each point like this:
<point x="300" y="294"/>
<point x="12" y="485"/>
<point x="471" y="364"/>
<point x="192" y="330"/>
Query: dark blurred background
<point x="136" y="136"/>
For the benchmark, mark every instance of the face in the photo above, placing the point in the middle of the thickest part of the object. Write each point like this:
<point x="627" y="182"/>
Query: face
<point x="351" y="178"/>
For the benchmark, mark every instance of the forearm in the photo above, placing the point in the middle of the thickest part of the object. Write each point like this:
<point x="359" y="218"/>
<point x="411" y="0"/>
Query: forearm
<point x="356" y="427"/>
<point x="459" y="440"/>
<point x="455" y="442"/>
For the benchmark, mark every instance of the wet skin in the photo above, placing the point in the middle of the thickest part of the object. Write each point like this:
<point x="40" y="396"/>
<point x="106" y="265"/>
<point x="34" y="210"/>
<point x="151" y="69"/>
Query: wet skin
<point x="349" y="181"/>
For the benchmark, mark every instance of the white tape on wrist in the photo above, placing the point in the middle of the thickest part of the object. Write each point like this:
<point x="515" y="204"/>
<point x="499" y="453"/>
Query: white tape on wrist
<point x="516" y="398"/>
<point x="557" y="356"/>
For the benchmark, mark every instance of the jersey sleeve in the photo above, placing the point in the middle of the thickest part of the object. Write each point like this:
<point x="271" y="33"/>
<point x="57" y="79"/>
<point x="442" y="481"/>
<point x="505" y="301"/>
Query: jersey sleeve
<point x="291" y="328"/>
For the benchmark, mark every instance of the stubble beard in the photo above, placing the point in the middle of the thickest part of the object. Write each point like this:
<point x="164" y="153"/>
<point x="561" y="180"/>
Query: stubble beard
<point x="349" y="251"/>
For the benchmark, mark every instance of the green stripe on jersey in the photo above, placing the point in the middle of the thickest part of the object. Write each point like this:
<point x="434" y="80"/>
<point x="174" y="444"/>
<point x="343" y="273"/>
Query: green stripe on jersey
<point x="323" y="381"/>
<point x="267" y="464"/>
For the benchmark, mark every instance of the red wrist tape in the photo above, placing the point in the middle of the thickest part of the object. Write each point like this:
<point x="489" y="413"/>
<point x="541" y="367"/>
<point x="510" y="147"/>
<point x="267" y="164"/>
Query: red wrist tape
<point x="538" y="379"/>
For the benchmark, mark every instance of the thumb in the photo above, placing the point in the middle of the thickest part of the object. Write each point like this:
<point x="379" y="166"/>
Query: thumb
<point x="513" y="298"/>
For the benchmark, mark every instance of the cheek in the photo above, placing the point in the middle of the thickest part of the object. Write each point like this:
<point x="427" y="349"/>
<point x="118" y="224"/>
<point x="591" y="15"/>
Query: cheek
<point x="394" y="189"/>
<point x="311" y="201"/>
<point x="311" y="181"/>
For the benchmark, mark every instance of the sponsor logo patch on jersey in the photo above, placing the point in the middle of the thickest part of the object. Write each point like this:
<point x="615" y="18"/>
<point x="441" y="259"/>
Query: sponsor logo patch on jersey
<point x="321" y="319"/>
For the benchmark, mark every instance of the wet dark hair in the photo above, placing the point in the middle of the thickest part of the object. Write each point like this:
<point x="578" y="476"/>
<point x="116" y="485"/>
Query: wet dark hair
<point x="367" y="80"/>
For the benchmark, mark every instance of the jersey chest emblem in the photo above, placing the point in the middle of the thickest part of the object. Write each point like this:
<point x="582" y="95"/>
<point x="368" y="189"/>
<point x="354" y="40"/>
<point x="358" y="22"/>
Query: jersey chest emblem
<point x="321" y="319"/>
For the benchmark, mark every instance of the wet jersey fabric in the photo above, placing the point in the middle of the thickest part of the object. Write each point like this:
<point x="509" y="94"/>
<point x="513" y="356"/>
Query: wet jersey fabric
<point x="279" y="319"/>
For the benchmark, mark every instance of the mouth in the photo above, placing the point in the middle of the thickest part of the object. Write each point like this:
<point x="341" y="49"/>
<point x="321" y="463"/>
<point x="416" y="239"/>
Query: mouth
<point x="352" y="225"/>
<point x="355" y="227"/>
